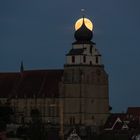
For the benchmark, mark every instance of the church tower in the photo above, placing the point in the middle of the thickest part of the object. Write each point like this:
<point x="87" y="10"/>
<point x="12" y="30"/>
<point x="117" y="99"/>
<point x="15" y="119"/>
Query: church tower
<point x="85" y="82"/>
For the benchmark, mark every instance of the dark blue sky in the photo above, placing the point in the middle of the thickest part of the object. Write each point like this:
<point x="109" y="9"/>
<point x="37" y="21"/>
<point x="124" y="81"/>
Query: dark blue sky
<point x="40" y="32"/>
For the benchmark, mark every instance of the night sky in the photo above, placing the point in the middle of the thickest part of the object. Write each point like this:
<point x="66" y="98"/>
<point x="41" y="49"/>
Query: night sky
<point x="40" y="33"/>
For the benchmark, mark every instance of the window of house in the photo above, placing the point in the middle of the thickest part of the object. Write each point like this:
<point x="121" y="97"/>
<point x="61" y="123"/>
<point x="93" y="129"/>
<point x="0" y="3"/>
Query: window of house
<point x="73" y="59"/>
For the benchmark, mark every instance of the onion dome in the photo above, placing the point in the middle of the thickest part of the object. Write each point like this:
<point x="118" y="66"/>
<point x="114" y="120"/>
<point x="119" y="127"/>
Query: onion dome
<point x="84" y="32"/>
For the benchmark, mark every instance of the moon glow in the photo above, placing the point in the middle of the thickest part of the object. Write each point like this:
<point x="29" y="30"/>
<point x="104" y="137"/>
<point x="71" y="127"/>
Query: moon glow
<point x="87" y="22"/>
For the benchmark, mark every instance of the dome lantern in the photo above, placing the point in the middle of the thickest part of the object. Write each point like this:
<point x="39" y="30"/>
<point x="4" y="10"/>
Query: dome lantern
<point x="83" y="29"/>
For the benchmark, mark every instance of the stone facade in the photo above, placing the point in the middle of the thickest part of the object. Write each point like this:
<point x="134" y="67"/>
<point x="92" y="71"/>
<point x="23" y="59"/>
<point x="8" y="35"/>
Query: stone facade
<point x="85" y="95"/>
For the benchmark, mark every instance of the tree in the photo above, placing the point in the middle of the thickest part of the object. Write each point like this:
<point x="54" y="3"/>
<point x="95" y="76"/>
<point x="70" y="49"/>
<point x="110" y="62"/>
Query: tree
<point x="5" y="115"/>
<point x="36" y="129"/>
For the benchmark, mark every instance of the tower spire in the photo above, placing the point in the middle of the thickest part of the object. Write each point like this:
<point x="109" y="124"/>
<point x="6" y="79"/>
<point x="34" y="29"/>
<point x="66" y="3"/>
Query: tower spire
<point x="21" y="67"/>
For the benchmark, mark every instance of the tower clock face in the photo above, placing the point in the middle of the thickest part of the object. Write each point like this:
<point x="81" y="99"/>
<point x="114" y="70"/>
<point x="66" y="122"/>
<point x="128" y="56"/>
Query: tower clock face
<point x="86" y="21"/>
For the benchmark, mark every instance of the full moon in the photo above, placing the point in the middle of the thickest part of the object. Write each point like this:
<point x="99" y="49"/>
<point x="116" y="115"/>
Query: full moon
<point x="87" y="22"/>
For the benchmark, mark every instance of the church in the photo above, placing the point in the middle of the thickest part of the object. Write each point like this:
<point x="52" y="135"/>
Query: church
<point x="76" y="94"/>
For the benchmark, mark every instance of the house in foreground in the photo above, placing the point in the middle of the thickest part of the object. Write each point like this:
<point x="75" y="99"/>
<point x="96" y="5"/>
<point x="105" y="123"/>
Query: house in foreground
<point x="124" y="121"/>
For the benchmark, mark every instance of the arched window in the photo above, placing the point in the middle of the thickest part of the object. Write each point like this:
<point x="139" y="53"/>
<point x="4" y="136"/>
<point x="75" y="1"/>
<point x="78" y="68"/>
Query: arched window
<point x="84" y="59"/>
<point x="72" y="120"/>
<point x="73" y="59"/>
<point x="90" y="62"/>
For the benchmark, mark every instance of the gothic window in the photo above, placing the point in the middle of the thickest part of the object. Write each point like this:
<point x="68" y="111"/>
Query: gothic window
<point x="90" y="62"/>
<point x="72" y="120"/>
<point x="73" y="59"/>
<point x="92" y="117"/>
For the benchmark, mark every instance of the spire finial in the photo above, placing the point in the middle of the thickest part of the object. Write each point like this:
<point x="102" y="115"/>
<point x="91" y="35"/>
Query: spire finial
<point x="83" y="13"/>
<point x="21" y="67"/>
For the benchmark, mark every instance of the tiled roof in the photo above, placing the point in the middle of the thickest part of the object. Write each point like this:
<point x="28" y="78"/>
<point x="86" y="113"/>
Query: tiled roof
<point x="110" y="123"/>
<point x="83" y="42"/>
<point x="36" y="83"/>
<point x="133" y="110"/>
<point x="8" y="82"/>
<point x="118" y="121"/>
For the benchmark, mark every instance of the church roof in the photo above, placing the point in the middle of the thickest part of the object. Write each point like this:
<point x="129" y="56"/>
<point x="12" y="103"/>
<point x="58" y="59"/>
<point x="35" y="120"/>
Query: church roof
<point x="8" y="83"/>
<point x="35" y="83"/>
<point x="76" y="51"/>
<point x="83" y="42"/>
